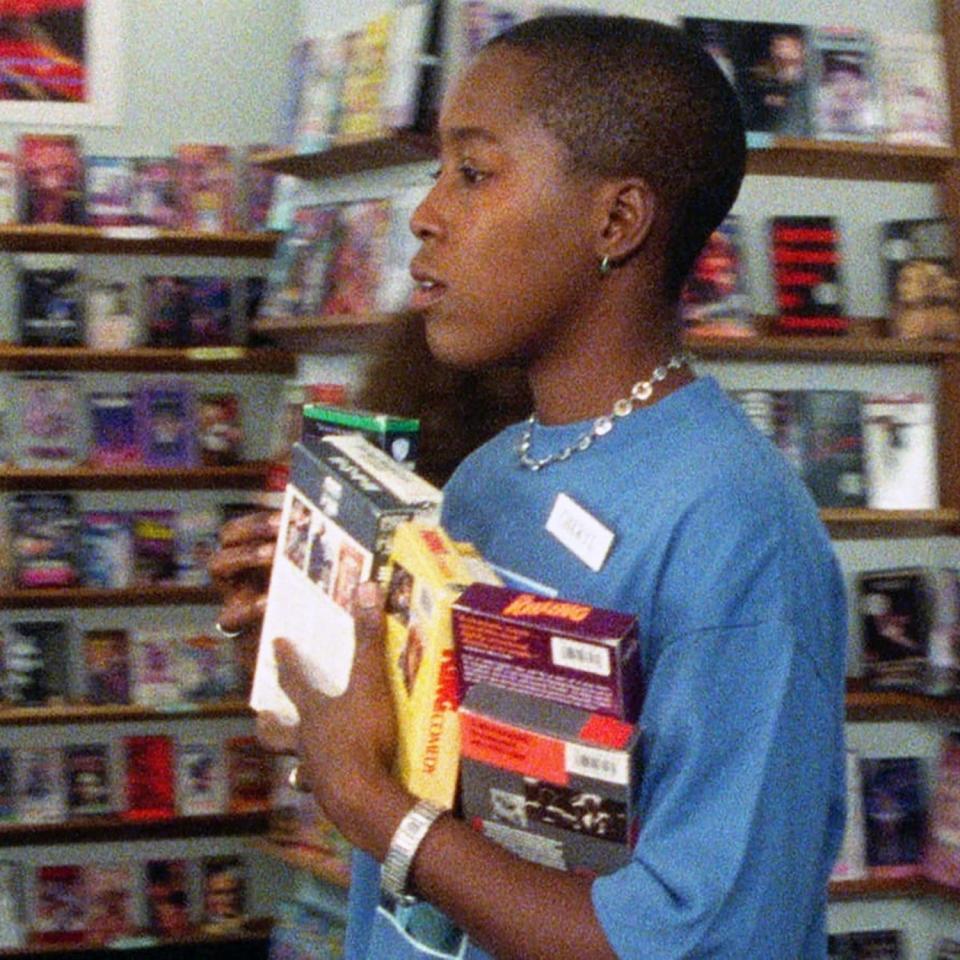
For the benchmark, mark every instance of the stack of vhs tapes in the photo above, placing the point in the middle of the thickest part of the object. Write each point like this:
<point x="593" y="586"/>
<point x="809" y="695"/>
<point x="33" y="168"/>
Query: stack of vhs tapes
<point x="550" y="692"/>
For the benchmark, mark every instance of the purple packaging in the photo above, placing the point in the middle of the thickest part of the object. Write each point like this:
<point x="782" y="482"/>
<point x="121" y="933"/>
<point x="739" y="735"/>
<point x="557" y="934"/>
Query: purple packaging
<point x="568" y="652"/>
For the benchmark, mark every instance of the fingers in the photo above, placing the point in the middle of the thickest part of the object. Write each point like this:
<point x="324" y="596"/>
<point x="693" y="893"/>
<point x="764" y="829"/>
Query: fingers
<point x="243" y="609"/>
<point x="230" y="562"/>
<point x="275" y="735"/>
<point x="368" y="613"/>
<point x="260" y="525"/>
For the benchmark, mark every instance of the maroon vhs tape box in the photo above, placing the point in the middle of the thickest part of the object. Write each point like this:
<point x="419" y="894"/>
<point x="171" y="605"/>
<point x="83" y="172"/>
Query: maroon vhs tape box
<point x="556" y="785"/>
<point x="571" y="653"/>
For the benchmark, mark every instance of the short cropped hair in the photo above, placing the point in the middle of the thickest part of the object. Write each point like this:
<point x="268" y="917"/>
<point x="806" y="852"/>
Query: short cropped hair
<point x="633" y="97"/>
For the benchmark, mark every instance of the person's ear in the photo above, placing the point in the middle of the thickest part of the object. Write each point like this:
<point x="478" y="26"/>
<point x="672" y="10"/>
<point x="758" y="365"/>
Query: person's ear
<point x="628" y="209"/>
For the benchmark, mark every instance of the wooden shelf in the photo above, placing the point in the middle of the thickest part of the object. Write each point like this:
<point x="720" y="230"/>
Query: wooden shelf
<point x="884" y="888"/>
<point x="133" y="241"/>
<point x="840" y="349"/>
<point x="138" y="596"/>
<point x="848" y="160"/>
<point x="334" y="871"/>
<point x="391" y="150"/>
<point x="297" y="333"/>
<point x="243" y="476"/>
<point x="856" y="522"/>
<point x="111" y="827"/>
<point x="149" y="359"/>
<point x="344" y="332"/>
<point x="88" y="713"/>
<point x="785" y="157"/>
<point x="865" y="705"/>
<point x="321" y="864"/>
<point x="254" y="929"/>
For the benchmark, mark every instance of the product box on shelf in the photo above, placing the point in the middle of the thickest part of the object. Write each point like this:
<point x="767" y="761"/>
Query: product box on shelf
<point x="50" y="304"/>
<point x="224" y="892"/>
<point x="900" y="451"/>
<point x="89" y="775"/>
<point x="45" y="540"/>
<point x="110" y="894"/>
<point x="59" y="914"/>
<point x="109" y="191"/>
<point x="106" y="666"/>
<point x="554" y="784"/>
<point x="167" y="892"/>
<point x="50" y="178"/>
<point x="895" y="812"/>
<point x="909" y="619"/>
<point x="201" y="777"/>
<point x="35" y="662"/>
<point x="426" y="574"/>
<point x="568" y="652"/>
<point x="12" y="925"/>
<point x="941" y="853"/>
<point x="40" y="778"/>
<point x="340" y="510"/>
<point x="48" y="423"/>
<point x="150" y="777"/>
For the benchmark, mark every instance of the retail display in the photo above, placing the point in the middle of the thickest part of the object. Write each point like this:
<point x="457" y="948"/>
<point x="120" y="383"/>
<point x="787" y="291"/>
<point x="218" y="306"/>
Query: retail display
<point x="162" y="430"/>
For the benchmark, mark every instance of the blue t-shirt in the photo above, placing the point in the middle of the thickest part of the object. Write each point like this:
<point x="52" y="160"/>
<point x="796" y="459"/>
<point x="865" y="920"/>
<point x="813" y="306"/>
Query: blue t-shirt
<point x="719" y="550"/>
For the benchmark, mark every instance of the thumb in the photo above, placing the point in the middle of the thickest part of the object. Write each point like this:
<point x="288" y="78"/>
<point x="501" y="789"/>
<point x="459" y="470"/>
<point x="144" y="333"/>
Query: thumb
<point x="291" y="672"/>
<point x="368" y="602"/>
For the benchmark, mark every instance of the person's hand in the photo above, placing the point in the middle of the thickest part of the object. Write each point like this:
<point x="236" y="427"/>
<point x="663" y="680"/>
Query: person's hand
<point x="346" y="743"/>
<point x="240" y="570"/>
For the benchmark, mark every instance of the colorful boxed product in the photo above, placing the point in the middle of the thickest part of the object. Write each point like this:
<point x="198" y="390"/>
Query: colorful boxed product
<point x="398" y="436"/>
<point x="554" y="784"/>
<point x="427" y="572"/>
<point x="340" y="510"/>
<point x="571" y="653"/>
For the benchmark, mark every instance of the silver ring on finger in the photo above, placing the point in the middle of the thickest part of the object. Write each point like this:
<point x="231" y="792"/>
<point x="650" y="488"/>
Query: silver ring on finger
<point x="227" y="634"/>
<point x="296" y="779"/>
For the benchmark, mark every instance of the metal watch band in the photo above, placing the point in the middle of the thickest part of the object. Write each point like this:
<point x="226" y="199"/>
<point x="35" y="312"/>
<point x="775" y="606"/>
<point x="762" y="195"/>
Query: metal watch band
<point x="403" y="846"/>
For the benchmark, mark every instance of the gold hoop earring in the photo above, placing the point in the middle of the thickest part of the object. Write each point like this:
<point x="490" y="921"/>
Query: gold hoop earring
<point x="605" y="265"/>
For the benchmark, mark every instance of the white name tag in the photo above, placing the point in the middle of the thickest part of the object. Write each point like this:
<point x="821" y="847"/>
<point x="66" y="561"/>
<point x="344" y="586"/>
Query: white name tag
<point x="580" y="532"/>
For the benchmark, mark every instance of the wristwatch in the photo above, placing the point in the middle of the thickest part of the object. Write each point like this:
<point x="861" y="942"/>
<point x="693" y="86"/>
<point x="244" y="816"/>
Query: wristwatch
<point x="395" y="873"/>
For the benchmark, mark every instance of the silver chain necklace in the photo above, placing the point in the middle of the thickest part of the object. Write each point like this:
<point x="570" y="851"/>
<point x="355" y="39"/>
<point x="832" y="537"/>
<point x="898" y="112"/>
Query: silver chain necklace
<point x="640" y="392"/>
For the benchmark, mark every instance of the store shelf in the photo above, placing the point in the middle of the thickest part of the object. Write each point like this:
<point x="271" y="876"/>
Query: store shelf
<point x="134" y="241"/>
<point x="88" y="713"/>
<point x="784" y="157"/>
<point x="847" y="160"/>
<point x="321" y="864"/>
<point x="865" y="705"/>
<point x="393" y="149"/>
<point x="343" y="332"/>
<point x="234" y="360"/>
<point x="244" y="476"/>
<point x="852" y="348"/>
<point x="139" y="596"/>
<point x="255" y="929"/>
<point x="94" y="829"/>
<point x="855" y="522"/>
<point x="888" y="888"/>
<point x="298" y="333"/>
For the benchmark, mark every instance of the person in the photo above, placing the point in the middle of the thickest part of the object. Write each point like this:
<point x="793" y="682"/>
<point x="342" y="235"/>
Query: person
<point x="584" y="161"/>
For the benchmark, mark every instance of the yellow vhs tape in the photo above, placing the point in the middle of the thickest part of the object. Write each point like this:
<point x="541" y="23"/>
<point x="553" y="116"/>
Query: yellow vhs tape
<point x="426" y="573"/>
